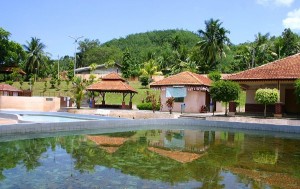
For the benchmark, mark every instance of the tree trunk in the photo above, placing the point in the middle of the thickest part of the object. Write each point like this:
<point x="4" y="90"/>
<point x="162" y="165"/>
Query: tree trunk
<point x="225" y="108"/>
<point x="265" y="111"/>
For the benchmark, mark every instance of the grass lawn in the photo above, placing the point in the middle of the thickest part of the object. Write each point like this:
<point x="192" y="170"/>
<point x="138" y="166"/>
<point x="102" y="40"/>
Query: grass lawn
<point x="64" y="90"/>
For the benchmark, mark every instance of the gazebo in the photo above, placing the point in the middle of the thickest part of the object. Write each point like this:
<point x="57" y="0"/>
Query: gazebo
<point x="113" y="83"/>
<point x="8" y="90"/>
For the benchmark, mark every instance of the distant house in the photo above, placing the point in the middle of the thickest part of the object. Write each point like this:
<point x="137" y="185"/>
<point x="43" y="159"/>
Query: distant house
<point x="99" y="72"/>
<point x="8" y="90"/>
<point x="190" y="90"/>
<point x="280" y="74"/>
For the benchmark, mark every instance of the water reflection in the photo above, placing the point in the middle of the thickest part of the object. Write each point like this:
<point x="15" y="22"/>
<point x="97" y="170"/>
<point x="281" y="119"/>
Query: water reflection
<point x="152" y="158"/>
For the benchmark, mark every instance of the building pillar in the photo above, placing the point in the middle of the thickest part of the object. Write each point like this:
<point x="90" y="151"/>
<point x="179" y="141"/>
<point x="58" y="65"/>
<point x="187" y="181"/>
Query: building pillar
<point x="123" y="105"/>
<point x="278" y="110"/>
<point x="130" y="105"/>
<point x="232" y="108"/>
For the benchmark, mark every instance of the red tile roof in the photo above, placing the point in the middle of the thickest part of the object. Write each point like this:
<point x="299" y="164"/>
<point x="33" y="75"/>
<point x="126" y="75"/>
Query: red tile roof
<point x="113" y="76"/>
<point x="184" y="78"/>
<point x="283" y="69"/>
<point x="111" y="86"/>
<point x="6" y="87"/>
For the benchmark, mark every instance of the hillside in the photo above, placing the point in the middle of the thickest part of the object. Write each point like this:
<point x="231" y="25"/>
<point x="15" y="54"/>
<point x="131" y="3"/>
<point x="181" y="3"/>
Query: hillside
<point x="154" y="39"/>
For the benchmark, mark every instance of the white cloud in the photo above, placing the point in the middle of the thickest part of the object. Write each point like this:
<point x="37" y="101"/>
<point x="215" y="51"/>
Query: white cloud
<point x="286" y="3"/>
<point x="293" y="20"/>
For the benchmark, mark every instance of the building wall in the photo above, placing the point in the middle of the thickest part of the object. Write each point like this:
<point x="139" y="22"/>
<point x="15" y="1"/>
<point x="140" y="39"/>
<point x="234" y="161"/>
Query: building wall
<point x="44" y="104"/>
<point x="253" y="106"/>
<point x="104" y="71"/>
<point x="193" y="102"/>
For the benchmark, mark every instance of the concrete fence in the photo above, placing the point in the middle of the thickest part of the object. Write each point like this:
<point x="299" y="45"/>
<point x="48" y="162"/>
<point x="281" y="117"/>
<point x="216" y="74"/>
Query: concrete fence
<point x="43" y="104"/>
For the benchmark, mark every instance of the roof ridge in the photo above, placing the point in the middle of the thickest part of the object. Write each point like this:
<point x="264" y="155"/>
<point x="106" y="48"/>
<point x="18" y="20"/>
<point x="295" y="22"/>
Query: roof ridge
<point x="193" y="75"/>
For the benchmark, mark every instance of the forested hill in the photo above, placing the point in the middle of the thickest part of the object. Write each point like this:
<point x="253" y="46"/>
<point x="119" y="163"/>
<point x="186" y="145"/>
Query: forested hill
<point x="165" y="47"/>
<point x="155" y="39"/>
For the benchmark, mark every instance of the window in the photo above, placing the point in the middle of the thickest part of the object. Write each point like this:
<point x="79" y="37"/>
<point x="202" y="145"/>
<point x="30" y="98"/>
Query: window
<point x="179" y="99"/>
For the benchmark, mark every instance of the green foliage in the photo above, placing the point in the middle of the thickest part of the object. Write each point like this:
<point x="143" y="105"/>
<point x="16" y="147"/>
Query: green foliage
<point x="144" y="79"/>
<point x="36" y="58"/>
<point x="126" y="64"/>
<point x="79" y="88"/>
<point x="11" y="53"/>
<point x="52" y="82"/>
<point x="58" y="82"/>
<point x="225" y="91"/>
<point x="148" y="106"/>
<point x="266" y="96"/>
<point x="214" y="76"/>
<point x="213" y="42"/>
<point x="9" y="82"/>
<point x="297" y="90"/>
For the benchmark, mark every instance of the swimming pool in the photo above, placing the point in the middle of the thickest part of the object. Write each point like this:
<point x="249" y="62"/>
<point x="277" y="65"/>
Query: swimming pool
<point x="154" y="158"/>
<point x="44" y="118"/>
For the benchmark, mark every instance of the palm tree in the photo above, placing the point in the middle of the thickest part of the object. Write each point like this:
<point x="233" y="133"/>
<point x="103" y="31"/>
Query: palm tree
<point x="150" y="68"/>
<point x="214" y="41"/>
<point x="35" y="55"/>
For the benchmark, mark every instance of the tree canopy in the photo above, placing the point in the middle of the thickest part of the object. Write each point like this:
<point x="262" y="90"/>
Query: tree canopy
<point x="266" y="96"/>
<point x="225" y="91"/>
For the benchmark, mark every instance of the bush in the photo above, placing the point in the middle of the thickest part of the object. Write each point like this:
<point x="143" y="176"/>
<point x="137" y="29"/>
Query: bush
<point x="9" y="82"/>
<point x="266" y="96"/>
<point x="147" y="106"/>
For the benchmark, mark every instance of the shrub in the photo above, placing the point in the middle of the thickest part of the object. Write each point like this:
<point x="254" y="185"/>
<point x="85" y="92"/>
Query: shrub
<point x="266" y="96"/>
<point x="225" y="91"/>
<point x="9" y="82"/>
<point x="147" y="106"/>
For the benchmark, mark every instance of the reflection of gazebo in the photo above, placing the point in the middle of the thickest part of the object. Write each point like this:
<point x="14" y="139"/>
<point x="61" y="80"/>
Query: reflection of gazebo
<point x="8" y="90"/>
<point x="113" y="83"/>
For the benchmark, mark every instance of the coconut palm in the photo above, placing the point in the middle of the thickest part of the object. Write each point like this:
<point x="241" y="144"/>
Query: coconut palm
<point x="213" y="42"/>
<point x="35" y="55"/>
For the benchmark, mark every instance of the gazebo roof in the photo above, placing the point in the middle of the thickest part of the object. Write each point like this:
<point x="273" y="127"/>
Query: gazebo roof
<point x="113" y="76"/>
<point x="112" y="82"/>
<point x="284" y="69"/>
<point x="184" y="78"/>
<point x="6" y="87"/>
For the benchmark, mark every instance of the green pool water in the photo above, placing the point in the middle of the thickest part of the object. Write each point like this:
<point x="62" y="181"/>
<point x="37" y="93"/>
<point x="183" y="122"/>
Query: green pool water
<point x="152" y="159"/>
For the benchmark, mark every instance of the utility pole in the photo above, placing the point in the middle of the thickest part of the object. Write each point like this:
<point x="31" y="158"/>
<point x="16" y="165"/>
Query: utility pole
<point x="57" y="66"/>
<point x="76" y="40"/>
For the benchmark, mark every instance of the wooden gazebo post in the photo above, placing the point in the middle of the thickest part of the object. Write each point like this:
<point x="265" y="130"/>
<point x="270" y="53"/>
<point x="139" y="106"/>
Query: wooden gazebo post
<point x="102" y="94"/>
<point x="130" y="100"/>
<point x="123" y="101"/>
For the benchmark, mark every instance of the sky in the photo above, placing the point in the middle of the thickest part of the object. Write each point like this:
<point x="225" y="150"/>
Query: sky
<point x="54" y="21"/>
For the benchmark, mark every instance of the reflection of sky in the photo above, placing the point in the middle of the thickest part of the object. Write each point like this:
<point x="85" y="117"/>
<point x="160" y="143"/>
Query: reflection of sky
<point x="230" y="181"/>
<point x="174" y="143"/>
<point x="57" y="171"/>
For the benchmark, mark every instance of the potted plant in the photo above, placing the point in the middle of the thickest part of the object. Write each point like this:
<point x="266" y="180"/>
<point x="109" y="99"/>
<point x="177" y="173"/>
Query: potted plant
<point x="170" y="104"/>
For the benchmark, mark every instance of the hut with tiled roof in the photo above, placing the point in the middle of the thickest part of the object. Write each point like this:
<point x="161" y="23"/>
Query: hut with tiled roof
<point x="190" y="90"/>
<point x="8" y="90"/>
<point x="113" y="83"/>
<point x="280" y="74"/>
